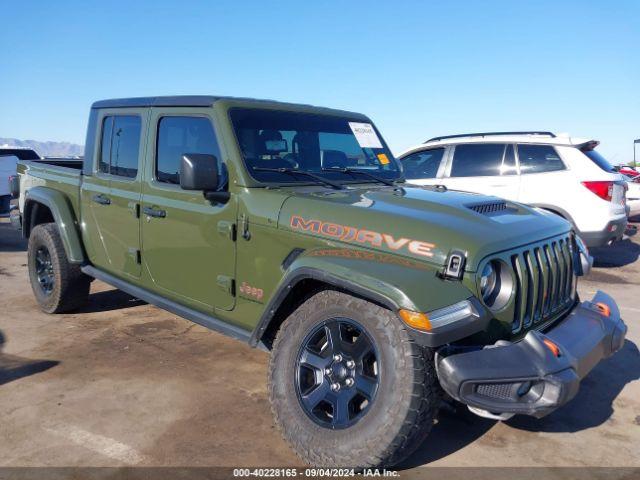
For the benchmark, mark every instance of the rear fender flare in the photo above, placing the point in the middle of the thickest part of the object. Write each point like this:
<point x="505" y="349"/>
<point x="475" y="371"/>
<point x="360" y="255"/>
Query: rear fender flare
<point x="63" y="215"/>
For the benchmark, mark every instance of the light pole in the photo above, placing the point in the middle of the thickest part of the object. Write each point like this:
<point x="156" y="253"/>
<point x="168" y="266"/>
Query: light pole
<point x="635" y="165"/>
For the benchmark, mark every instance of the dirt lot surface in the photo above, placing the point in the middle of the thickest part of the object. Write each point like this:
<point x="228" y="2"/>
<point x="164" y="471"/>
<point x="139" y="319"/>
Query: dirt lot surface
<point x="124" y="383"/>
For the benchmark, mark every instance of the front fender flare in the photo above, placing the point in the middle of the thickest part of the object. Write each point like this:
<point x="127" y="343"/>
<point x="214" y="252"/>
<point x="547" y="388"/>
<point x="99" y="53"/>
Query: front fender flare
<point x="388" y="280"/>
<point x="305" y="273"/>
<point x="63" y="215"/>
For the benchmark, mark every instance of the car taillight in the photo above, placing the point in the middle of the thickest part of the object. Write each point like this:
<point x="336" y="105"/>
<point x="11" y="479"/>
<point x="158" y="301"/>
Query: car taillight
<point x="602" y="189"/>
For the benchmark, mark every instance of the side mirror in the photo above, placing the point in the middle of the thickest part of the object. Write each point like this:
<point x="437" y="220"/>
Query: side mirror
<point x="199" y="171"/>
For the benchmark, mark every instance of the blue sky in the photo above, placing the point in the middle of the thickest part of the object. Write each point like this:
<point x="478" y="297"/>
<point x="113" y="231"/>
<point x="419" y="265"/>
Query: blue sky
<point x="419" y="69"/>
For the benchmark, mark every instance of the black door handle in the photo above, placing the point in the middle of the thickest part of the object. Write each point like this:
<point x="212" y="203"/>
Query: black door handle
<point x="101" y="199"/>
<point x="152" y="212"/>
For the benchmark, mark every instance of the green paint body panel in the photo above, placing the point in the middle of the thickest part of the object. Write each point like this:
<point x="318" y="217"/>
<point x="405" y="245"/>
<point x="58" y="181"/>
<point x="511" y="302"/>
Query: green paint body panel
<point x="228" y="259"/>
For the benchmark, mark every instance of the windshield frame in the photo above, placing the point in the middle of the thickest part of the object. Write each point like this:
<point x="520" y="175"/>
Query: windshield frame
<point x="336" y="176"/>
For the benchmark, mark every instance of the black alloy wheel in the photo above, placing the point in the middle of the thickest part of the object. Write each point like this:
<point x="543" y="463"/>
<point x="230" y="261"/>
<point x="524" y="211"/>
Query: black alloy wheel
<point x="337" y="373"/>
<point x="44" y="270"/>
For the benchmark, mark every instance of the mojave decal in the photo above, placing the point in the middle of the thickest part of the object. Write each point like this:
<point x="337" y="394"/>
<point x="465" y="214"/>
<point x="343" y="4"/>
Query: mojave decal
<point x="346" y="233"/>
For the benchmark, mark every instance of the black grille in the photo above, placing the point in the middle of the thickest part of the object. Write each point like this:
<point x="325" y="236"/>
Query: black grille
<point x="545" y="281"/>
<point x="489" y="207"/>
<point x="500" y="391"/>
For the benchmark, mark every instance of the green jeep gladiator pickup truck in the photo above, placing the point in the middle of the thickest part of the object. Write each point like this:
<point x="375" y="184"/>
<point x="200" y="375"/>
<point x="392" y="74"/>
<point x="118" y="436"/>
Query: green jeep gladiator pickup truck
<point x="289" y="227"/>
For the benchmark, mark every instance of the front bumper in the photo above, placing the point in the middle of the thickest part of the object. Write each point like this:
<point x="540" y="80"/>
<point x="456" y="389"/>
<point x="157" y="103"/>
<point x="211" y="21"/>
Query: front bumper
<point x="526" y="377"/>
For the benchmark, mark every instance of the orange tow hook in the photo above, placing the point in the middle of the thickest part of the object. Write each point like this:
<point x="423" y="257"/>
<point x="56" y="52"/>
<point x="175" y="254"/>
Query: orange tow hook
<point x="555" y="350"/>
<point x="604" y="309"/>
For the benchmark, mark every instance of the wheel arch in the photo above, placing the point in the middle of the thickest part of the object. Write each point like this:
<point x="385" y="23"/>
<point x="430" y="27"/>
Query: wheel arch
<point x="45" y="205"/>
<point x="299" y="285"/>
<point x="561" y="212"/>
<point x="391" y="281"/>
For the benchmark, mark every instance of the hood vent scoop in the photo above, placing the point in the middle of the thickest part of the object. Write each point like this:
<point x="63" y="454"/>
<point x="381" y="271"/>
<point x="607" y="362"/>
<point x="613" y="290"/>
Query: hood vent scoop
<point x="488" y="208"/>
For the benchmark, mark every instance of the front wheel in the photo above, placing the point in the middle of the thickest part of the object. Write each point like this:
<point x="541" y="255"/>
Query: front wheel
<point x="58" y="285"/>
<point x="348" y="386"/>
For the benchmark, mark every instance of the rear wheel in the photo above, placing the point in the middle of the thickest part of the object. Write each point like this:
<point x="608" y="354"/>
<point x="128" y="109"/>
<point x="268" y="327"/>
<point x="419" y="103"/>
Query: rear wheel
<point x="58" y="285"/>
<point x="348" y="386"/>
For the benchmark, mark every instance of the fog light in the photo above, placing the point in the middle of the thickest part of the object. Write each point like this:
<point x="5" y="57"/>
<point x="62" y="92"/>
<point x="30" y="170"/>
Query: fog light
<point x="524" y="389"/>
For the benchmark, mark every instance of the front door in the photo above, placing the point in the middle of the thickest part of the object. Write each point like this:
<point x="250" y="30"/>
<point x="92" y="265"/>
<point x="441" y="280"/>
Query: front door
<point x="188" y="245"/>
<point x="112" y="193"/>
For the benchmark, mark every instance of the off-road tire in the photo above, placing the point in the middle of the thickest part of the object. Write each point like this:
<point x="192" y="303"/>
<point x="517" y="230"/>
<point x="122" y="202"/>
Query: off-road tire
<point x="70" y="286"/>
<point x="402" y="412"/>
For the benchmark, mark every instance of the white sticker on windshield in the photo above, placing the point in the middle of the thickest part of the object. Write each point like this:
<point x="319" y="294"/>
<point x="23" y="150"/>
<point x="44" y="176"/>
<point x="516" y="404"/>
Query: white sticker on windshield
<point x="365" y="134"/>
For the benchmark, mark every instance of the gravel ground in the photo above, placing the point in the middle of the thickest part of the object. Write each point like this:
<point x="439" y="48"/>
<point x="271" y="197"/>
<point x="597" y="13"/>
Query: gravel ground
<point x="124" y="383"/>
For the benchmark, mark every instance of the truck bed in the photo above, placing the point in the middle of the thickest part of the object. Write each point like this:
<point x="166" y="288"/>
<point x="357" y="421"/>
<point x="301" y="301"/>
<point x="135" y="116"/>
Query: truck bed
<point x="68" y="162"/>
<point x="62" y="174"/>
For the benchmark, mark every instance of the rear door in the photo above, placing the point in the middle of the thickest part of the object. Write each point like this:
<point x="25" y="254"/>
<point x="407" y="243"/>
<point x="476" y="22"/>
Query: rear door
<point x="188" y="241"/>
<point x="488" y="168"/>
<point x="111" y="194"/>
<point x="545" y="179"/>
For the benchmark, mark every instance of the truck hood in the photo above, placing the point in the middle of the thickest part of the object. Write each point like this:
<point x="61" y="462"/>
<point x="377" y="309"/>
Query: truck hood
<point x="418" y="222"/>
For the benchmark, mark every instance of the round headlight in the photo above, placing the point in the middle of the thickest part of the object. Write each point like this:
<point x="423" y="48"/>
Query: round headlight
<point x="488" y="281"/>
<point x="496" y="284"/>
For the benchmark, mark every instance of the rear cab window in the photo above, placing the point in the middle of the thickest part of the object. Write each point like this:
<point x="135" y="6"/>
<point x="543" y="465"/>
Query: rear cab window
<point x="120" y="145"/>
<point x="422" y="164"/>
<point x="538" y="159"/>
<point x="483" y="160"/>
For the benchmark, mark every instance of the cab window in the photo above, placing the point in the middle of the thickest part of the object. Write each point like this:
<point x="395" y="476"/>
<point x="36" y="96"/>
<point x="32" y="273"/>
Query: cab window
<point x="178" y="136"/>
<point x="120" y="146"/>
<point x="423" y="164"/>
<point x="538" y="159"/>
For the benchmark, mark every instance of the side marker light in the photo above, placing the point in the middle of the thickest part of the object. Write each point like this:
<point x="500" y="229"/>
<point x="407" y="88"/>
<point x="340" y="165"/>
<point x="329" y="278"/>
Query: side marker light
<point x="416" y="320"/>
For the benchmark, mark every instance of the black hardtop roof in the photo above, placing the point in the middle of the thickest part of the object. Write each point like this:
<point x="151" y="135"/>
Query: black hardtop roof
<point x="172" y="101"/>
<point x="203" y="101"/>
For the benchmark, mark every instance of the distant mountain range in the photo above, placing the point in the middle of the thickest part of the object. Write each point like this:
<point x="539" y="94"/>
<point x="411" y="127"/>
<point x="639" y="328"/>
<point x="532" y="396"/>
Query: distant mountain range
<point x="45" y="149"/>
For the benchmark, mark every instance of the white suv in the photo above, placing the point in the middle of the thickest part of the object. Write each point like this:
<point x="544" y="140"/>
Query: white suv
<point x="557" y="173"/>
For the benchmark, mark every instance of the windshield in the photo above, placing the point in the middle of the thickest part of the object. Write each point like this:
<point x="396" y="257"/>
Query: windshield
<point x="271" y="139"/>
<point x="599" y="160"/>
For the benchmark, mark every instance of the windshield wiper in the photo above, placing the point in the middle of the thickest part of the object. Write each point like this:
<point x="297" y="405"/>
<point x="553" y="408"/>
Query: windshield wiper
<point x="295" y="171"/>
<point x="361" y="172"/>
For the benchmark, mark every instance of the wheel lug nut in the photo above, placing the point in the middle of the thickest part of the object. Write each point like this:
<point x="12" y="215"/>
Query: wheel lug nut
<point x="327" y="371"/>
<point x="337" y="357"/>
<point x="349" y="382"/>
<point x="335" y="387"/>
<point x="351" y="364"/>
